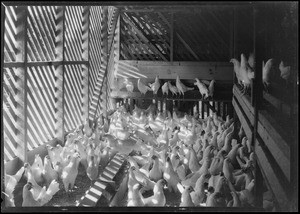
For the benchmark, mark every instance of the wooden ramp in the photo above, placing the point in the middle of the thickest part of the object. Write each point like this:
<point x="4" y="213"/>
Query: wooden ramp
<point x="99" y="188"/>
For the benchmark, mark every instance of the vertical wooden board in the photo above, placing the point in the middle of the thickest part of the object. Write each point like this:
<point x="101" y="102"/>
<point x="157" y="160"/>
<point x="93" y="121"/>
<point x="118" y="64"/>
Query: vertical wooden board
<point x="59" y="103"/>
<point x="21" y="117"/>
<point x="208" y="110"/>
<point x="85" y="92"/>
<point x="85" y="32"/>
<point x="59" y="33"/>
<point x="219" y="109"/>
<point x="248" y="129"/>
<point x="202" y="109"/>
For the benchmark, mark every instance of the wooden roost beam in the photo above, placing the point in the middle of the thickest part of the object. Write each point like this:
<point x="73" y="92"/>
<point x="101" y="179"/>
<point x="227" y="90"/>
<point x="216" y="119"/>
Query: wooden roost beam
<point x="169" y="70"/>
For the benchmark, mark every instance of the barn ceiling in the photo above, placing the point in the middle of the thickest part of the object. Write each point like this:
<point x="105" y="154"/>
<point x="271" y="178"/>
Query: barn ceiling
<point x="173" y="33"/>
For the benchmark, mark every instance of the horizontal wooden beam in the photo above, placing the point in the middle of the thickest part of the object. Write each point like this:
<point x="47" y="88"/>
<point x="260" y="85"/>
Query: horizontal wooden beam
<point x="170" y="70"/>
<point x="188" y="96"/>
<point x="188" y="8"/>
<point x="248" y="128"/>
<point x="279" y="148"/>
<point x="271" y="177"/>
<point x="244" y="101"/>
<point x="51" y="63"/>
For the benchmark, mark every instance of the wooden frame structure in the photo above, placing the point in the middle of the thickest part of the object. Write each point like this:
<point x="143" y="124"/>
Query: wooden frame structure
<point x="34" y="62"/>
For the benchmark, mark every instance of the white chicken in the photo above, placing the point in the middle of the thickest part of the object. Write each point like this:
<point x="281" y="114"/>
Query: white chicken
<point x="142" y="87"/>
<point x="181" y="87"/>
<point x="202" y="88"/>
<point x="172" y="88"/>
<point x="285" y="72"/>
<point x="165" y="88"/>
<point x="155" y="86"/>
<point x="266" y="73"/>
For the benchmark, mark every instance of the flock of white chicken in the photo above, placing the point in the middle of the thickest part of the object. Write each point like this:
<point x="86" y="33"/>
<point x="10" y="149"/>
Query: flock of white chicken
<point x="83" y="146"/>
<point x="197" y="158"/>
<point x="244" y="71"/>
<point x="206" y="88"/>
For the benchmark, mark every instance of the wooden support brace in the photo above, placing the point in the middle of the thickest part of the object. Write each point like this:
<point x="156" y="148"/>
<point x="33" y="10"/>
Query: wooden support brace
<point x="21" y="85"/>
<point x="210" y="107"/>
<point x="59" y="74"/>
<point x="202" y="110"/>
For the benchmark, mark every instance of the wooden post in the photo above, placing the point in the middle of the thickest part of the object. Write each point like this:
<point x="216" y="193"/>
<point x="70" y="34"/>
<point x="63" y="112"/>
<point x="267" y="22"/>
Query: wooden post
<point x="85" y="56"/>
<point x="231" y="37"/>
<point x="207" y="109"/>
<point x="224" y="110"/>
<point x="258" y="29"/>
<point x="202" y="110"/>
<point x="171" y="106"/>
<point x="131" y="105"/>
<point x="172" y="38"/>
<point x="2" y="80"/>
<point x="59" y="75"/>
<point x="294" y="145"/>
<point x="97" y="96"/>
<point x="21" y="85"/>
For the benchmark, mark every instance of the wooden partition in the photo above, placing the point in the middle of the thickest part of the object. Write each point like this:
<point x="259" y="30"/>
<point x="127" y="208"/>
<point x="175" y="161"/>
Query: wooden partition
<point x="55" y="61"/>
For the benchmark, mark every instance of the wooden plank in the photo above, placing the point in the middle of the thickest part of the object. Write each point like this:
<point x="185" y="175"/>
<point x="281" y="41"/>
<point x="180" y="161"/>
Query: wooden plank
<point x="24" y="92"/>
<point x="144" y="38"/>
<point x="224" y="111"/>
<point x="274" y="141"/>
<point x="256" y="87"/>
<point x="232" y="28"/>
<point x="202" y="109"/>
<point x="172" y="38"/>
<point x="99" y="188"/>
<point x="278" y="104"/>
<point x="210" y="107"/>
<point x="207" y="26"/>
<point x="245" y="104"/>
<point x="185" y="70"/>
<point x="45" y="63"/>
<point x="187" y="47"/>
<point x="202" y="32"/>
<point x="2" y="81"/>
<point x="154" y="35"/>
<point x="105" y="51"/>
<point x="248" y="129"/>
<point x="190" y="95"/>
<point x="271" y="178"/>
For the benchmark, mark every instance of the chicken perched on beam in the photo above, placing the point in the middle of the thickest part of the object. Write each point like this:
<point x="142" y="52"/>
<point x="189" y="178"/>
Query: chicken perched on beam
<point x="285" y="72"/>
<point x="181" y="87"/>
<point x="172" y="88"/>
<point x="165" y="88"/>
<point x="266" y="74"/>
<point x="142" y="87"/>
<point x="155" y="86"/>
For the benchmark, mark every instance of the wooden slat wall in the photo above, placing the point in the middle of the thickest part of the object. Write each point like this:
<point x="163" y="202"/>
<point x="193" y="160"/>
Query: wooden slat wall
<point x="108" y="20"/>
<point x="49" y="75"/>
<point x="272" y="149"/>
<point x="196" y="35"/>
<point x="41" y="105"/>
<point x="95" y="46"/>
